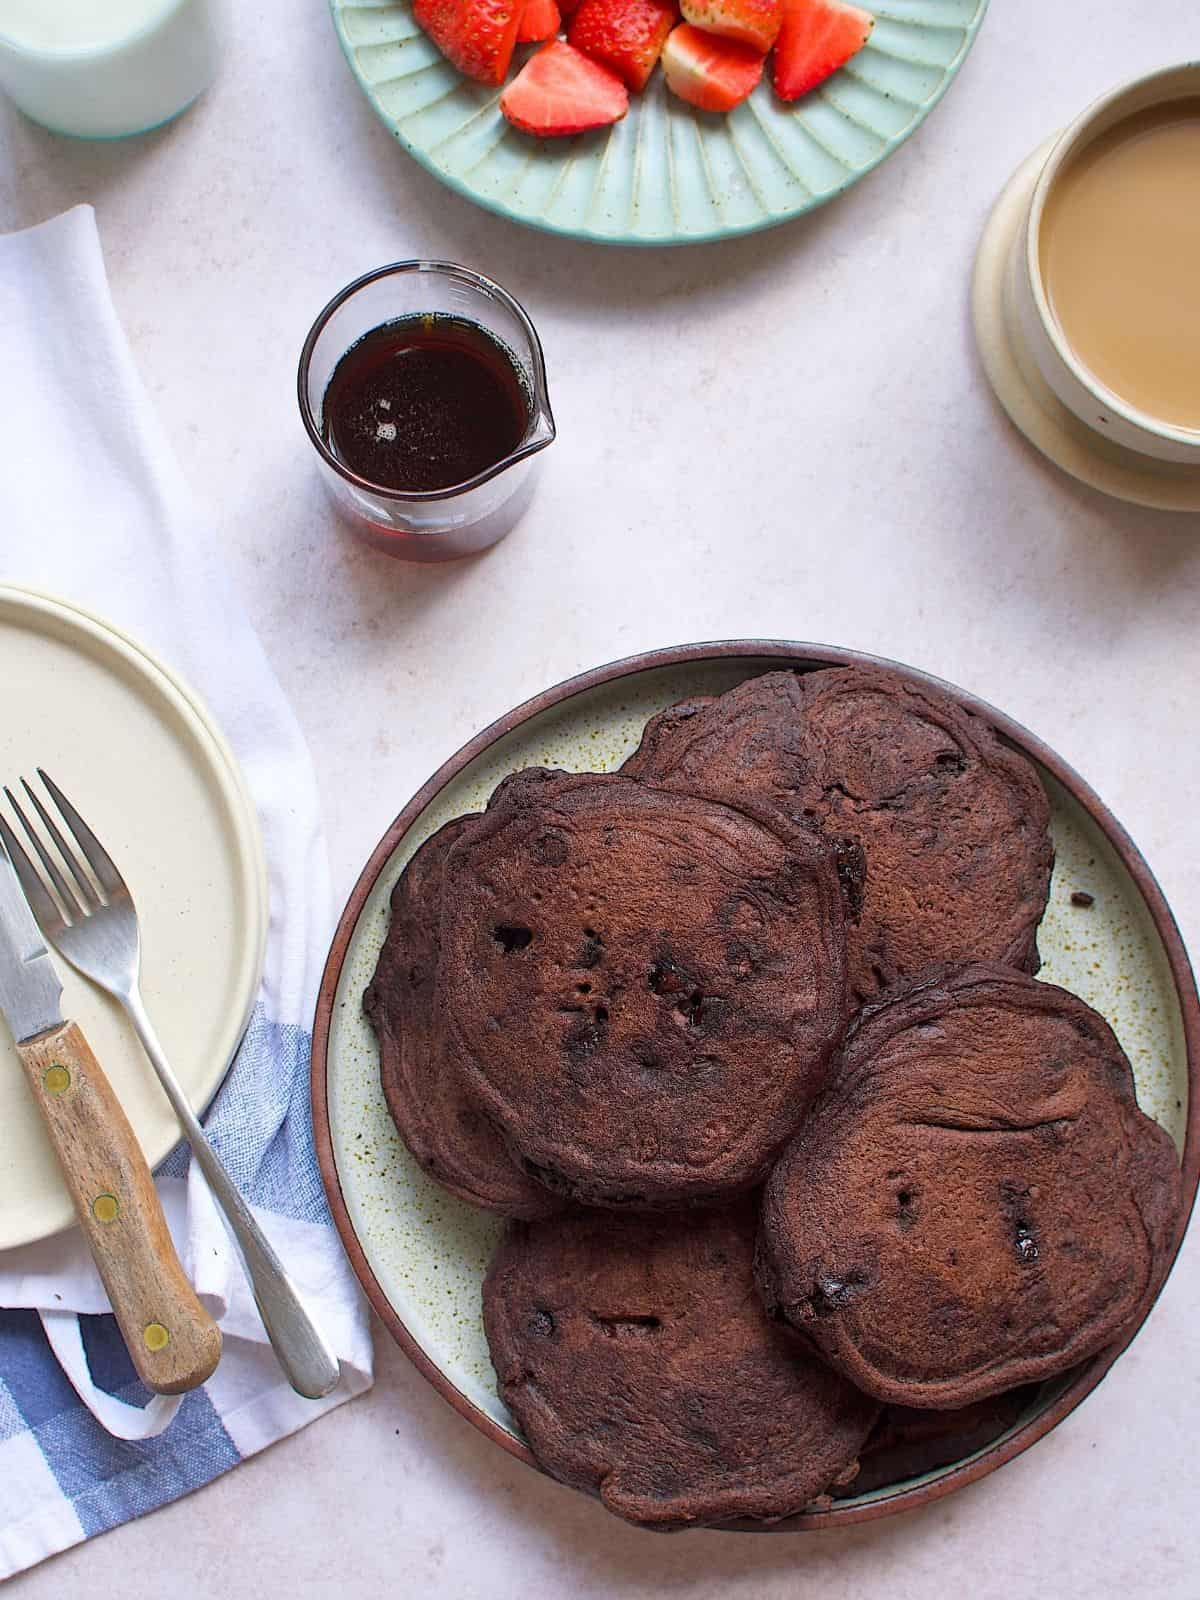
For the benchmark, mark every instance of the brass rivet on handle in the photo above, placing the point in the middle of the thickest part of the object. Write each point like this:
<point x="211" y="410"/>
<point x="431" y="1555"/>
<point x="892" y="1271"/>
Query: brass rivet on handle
<point x="57" y="1080"/>
<point x="105" y="1207"/>
<point x="156" y="1336"/>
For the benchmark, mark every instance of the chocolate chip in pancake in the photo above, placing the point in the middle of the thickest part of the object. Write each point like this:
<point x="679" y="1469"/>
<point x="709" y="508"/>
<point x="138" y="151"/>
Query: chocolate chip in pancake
<point x="977" y="1202"/>
<point x="646" y="988"/>
<point x="641" y="1366"/>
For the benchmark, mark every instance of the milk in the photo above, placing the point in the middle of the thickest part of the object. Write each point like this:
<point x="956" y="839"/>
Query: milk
<point x="101" y="69"/>
<point x="73" y="25"/>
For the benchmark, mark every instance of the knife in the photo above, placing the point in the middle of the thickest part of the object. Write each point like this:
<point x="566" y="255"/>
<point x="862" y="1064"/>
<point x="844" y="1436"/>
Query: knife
<point x="173" y="1342"/>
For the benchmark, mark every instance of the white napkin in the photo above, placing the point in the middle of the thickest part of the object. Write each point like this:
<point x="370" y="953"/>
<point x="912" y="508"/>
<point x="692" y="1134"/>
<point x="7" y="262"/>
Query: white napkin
<point x="93" y="507"/>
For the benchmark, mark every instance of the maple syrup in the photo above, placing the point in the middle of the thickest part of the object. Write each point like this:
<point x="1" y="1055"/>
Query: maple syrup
<point x="425" y="403"/>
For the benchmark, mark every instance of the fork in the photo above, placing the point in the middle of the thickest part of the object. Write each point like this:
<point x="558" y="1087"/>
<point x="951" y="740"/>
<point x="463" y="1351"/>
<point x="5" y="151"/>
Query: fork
<point x="95" y="926"/>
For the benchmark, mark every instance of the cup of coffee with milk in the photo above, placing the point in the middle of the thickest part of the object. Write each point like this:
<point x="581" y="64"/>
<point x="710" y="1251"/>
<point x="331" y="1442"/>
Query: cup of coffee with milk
<point x="1102" y="292"/>
<point x="106" y="69"/>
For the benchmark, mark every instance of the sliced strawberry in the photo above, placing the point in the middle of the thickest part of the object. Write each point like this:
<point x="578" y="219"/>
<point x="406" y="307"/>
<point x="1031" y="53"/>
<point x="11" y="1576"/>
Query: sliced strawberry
<point x="710" y="72"/>
<point x="626" y="35"/>
<point x="559" y="92"/>
<point x="818" y="37"/>
<point x="541" y="19"/>
<point x="478" y="36"/>
<point x="567" y="6"/>
<point x="753" y="22"/>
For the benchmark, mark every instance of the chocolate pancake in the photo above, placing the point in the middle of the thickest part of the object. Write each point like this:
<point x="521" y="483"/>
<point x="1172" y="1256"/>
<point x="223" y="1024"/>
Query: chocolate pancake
<point x="953" y="824"/>
<point x="977" y="1202"/>
<point x="440" y="1124"/>
<point x="646" y="988"/>
<point x="637" y="1358"/>
<point x="659" y="730"/>
<point x="906" y="1443"/>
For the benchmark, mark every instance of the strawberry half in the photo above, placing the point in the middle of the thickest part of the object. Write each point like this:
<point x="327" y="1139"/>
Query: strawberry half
<point x="559" y="92"/>
<point x="753" y="22"/>
<point x="541" y="19"/>
<point x="710" y="72"/>
<point x="818" y="37"/>
<point x="626" y="35"/>
<point x="478" y="36"/>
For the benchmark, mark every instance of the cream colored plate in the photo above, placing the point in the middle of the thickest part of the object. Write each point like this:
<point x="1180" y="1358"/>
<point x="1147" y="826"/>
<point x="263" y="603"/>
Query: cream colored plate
<point x="1029" y="400"/>
<point x="429" y="1251"/>
<point x="141" y="758"/>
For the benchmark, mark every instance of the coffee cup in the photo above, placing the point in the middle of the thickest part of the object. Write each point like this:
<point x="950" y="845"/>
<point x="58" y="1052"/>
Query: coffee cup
<point x="1126" y="373"/>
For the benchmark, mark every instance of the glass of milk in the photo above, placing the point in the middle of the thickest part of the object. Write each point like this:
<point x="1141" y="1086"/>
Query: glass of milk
<point x="105" y="69"/>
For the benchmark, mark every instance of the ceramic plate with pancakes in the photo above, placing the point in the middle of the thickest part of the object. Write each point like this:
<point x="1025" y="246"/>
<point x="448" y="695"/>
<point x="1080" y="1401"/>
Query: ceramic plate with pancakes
<point x="421" y="1254"/>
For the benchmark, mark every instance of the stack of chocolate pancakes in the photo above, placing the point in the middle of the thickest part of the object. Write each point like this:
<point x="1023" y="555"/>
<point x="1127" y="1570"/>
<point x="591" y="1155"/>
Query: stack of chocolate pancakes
<point x="811" y="1182"/>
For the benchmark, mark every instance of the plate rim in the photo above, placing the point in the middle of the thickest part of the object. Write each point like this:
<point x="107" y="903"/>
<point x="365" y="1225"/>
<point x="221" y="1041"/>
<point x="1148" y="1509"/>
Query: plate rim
<point x="737" y="230"/>
<point x="784" y="653"/>
<point x="223" y="765"/>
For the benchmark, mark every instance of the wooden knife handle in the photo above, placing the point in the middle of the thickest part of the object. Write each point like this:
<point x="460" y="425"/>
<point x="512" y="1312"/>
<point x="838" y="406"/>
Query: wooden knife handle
<point x="173" y="1342"/>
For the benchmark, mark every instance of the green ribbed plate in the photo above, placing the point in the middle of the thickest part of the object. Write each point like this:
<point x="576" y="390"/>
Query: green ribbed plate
<point x="667" y="174"/>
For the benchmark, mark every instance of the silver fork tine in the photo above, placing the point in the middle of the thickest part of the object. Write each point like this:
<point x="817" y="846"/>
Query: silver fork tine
<point x="49" y="917"/>
<point x="98" y="858"/>
<point x="90" y="898"/>
<point x="61" y="887"/>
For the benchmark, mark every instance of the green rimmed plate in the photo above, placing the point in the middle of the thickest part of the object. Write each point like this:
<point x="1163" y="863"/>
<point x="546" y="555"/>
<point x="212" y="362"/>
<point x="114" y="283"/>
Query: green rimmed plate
<point x="667" y="174"/>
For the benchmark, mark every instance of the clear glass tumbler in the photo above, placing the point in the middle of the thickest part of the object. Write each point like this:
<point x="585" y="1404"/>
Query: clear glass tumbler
<point x="108" y="69"/>
<point x="430" y="525"/>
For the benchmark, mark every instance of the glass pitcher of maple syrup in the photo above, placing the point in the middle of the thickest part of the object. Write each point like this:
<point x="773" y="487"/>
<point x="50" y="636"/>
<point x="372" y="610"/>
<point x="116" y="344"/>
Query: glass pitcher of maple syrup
<point x="423" y="388"/>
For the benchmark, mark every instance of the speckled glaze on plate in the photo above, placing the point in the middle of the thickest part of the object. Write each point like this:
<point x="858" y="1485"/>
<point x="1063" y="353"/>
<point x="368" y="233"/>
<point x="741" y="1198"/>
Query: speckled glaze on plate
<point x="666" y="174"/>
<point x="421" y="1254"/>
